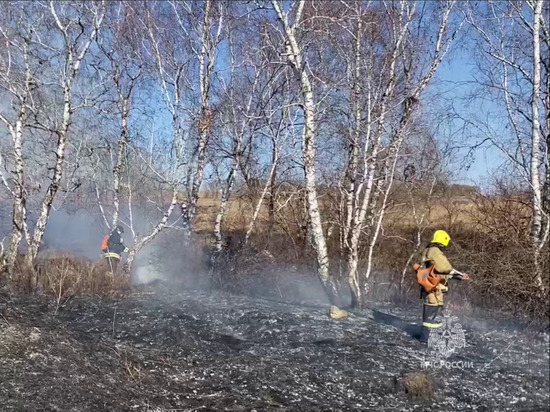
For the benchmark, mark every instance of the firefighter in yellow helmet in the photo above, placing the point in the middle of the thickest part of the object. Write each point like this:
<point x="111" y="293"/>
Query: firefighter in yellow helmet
<point x="433" y="276"/>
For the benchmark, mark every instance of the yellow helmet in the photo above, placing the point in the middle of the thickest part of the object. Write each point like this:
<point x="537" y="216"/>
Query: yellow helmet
<point x="441" y="237"/>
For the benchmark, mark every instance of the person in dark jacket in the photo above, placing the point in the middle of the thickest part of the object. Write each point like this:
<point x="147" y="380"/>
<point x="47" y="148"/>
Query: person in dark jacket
<point x="113" y="247"/>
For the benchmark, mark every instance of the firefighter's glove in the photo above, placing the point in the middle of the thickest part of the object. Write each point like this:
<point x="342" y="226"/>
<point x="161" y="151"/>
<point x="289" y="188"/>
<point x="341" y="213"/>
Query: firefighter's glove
<point x="443" y="288"/>
<point x="126" y="249"/>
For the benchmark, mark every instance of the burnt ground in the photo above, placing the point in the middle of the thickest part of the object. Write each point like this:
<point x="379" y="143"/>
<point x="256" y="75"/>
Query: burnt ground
<point x="161" y="349"/>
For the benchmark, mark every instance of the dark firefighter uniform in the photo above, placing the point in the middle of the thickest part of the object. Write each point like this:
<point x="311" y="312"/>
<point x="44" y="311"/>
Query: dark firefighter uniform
<point x="434" y="278"/>
<point x="113" y="247"/>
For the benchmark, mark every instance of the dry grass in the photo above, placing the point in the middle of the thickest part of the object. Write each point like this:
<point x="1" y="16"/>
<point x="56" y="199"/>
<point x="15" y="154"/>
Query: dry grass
<point x="131" y="365"/>
<point x="490" y="241"/>
<point x="417" y="386"/>
<point x="238" y="214"/>
<point x="445" y="210"/>
<point x="63" y="276"/>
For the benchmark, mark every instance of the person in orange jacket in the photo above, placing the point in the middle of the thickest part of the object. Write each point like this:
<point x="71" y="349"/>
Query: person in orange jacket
<point x="433" y="277"/>
<point x="113" y="247"/>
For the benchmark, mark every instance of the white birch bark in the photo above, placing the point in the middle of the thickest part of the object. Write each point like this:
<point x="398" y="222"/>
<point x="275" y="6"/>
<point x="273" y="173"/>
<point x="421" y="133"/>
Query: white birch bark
<point x="367" y="212"/>
<point x="124" y="83"/>
<point x="162" y="223"/>
<point x="237" y="129"/>
<point x="536" y="155"/>
<point x="172" y="80"/>
<point x="171" y="75"/>
<point x="362" y="196"/>
<point x="296" y="61"/>
<point x="545" y="23"/>
<point x="19" y="212"/>
<point x="121" y="148"/>
<point x="351" y="242"/>
<point x="409" y="106"/>
<point x="73" y="61"/>
<point x="263" y="195"/>
<point x="207" y="59"/>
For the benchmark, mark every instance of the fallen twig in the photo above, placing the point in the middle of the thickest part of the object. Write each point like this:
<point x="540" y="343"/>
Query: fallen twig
<point x="114" y="318"/>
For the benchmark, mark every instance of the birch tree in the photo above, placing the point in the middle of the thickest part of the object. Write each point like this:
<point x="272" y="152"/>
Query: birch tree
<point x="389" y="64"/>
<point x="196" y="34"/>
<point x="238" y="116"/>
<point x="416" y="80"/>
<point x="545" y="27"/>
<point x="125" y="69"/>
<point x="76" y="28"/>
<point x="21" y="92"/>
<point x="505" y="31"/>
<point x="74" y="53"/>
<point x="204" y="45"/>
<point x="128" y="170"/>
<point x="133" y="168"/>
<point x="291" y="22"/>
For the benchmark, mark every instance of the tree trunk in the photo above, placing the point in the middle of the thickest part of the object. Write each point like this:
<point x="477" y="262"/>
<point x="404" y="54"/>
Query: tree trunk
<point x="117" y="171"/>
<point x="258" y="207"/>
<point x="224" y="200"/>
<point x="19" y="212"/>
<point x="19" y="217"/>
<point x="353" y="278"/>
<point x="204" y="135"/>
<point x="206" y="67"/>
<point x="351" y="239"/>
<point x="536" y="195"/>
<point x="156" y="230"/>
<point x="546" y="188"/>
<point x="48" y="199"/>
<point x="315" y="221"/>
<point x="271" y="202"/>
<point x="296" y="61"/>
<point x="73" y="62"/>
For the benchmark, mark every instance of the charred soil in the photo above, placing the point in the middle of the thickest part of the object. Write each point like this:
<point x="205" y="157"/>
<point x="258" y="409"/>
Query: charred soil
<point x="160" y="349"/>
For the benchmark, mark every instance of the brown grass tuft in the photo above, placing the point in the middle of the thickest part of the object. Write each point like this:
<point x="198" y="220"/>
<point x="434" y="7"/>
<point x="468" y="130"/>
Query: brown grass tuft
<point x="418" y="386"/>
<point x="63" y="276"/>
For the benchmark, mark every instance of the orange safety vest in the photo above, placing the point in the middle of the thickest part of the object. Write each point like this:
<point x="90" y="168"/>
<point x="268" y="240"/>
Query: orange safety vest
<point x="427" y="278"/>
<point x="104" y="246"/>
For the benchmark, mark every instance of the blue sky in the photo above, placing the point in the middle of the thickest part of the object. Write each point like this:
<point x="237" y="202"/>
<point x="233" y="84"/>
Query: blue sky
<point x="456" y="78"/>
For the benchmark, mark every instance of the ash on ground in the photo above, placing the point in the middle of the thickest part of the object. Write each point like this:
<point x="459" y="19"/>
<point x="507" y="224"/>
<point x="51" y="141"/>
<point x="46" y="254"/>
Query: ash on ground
<point x="161" y="349"/>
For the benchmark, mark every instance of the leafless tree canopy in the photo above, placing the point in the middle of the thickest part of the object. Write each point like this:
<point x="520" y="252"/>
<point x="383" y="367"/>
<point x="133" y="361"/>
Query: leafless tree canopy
<point x="316" y="124"/>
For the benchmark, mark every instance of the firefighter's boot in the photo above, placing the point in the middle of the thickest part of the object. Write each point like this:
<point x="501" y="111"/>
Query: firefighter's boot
<point x="424" y="334"/>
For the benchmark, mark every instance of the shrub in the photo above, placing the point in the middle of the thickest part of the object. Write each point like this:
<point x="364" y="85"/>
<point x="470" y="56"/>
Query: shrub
<point x="62" y="276"/>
